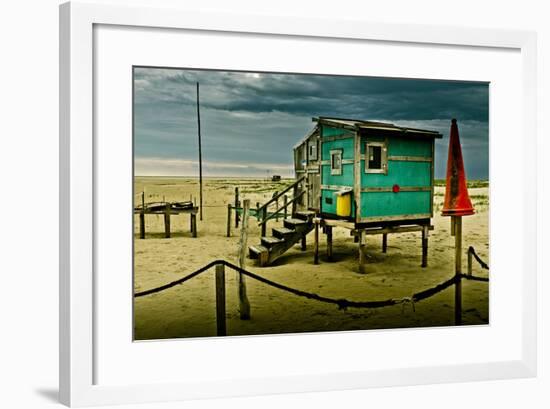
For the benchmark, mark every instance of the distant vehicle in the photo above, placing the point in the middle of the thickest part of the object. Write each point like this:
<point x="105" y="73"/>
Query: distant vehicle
<point x="276" y="178"/>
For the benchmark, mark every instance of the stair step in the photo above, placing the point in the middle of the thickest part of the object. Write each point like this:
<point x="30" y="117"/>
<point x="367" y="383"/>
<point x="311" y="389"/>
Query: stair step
<point x="293" y="223"/>
<point x="281" y="232"/>
<point x="305" y="214"/>
<point x="270" y="241"/>
<point x="255" y="251"/>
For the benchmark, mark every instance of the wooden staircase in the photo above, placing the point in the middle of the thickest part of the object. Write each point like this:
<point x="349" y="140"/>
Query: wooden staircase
<point x="294" y="230"/>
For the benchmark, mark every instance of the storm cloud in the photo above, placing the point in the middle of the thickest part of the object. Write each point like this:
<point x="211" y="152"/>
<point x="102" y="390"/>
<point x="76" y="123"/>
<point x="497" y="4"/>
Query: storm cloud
<point x="251" y="121"/>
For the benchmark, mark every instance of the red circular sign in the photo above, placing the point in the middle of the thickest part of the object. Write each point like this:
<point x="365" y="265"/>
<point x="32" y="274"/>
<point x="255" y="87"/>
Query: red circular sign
<point x="395" y="188"/>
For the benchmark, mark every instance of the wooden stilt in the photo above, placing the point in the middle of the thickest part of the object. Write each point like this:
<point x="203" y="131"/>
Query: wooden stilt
<point x="220" y="301"/>
<point x="362" y="259"/>
<point x="458" y="269"/>
<point x="316" y="247"/>
<point x="229" y="220"/>
<point x="303" y="243"/>
<point x="384" y="242"/>
<point x="329" y="242"/>
<point x="285" y="204"/>
<point x="425" y="232"/>
<point x="294" y="194"/>
<point x="167" y="221"/>
<point x="244" y="305"/>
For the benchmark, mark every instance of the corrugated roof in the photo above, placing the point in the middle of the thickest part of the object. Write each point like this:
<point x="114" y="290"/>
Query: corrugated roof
<point x="374" y="125"/>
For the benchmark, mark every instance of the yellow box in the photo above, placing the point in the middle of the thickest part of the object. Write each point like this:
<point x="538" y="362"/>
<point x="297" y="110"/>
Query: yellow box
<point x="343" y="203"/>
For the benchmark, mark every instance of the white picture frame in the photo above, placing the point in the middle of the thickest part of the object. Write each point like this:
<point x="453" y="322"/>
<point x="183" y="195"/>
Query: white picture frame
<point x="77" y="240"/>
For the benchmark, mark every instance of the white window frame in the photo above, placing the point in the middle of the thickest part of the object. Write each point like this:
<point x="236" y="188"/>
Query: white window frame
<point x="336" y="152"/>
<point x="383" y="158"/>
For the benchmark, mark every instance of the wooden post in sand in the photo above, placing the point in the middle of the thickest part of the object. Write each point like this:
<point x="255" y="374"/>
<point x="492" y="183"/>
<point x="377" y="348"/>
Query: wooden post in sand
<point x="142" y="217"/>
<point x="384" y="243"/>
<point x="229" y="220"/>
<point x="244" y="305"/>
<point x="458" y="268"/>
<point x="220" y="300"/>
<point x="167" y="221"/>
<point x="236" y="207"/>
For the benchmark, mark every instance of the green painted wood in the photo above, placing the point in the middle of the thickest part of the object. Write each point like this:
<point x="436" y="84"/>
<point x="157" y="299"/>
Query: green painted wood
<point x="345" y="144"/>
<point x="410" y="147"/>
<point x="330" y="131"/>
<point x="394" y="204"/>
<point x="402" y="173"/>
<point x="399" y="172"/>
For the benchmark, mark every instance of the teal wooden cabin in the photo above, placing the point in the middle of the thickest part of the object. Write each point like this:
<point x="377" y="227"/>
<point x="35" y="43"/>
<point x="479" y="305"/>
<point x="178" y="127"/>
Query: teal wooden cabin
<point x="369" y="173"/>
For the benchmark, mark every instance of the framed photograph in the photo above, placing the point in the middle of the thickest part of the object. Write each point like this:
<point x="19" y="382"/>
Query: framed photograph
<point x="261" y="204"/>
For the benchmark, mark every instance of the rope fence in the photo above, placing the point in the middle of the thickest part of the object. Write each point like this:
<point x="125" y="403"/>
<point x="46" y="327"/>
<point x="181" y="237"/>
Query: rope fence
<point x="341" y="303"/>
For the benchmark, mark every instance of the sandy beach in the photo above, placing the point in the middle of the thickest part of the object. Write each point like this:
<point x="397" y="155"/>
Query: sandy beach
<point x="188" y="310"/>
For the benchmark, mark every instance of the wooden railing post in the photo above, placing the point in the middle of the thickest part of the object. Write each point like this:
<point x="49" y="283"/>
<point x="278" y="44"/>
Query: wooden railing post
<point x="264" y="221"/>
<point x="285" y="204"/>
<point x="294" y="193"/>
<point x="220" y="301"/>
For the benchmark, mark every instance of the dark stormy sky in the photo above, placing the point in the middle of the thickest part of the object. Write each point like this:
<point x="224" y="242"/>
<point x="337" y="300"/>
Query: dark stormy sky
<point x="251" y="121"/>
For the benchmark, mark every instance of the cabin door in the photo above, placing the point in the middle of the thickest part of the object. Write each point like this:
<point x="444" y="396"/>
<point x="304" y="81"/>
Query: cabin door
<point x="313" y="190"/>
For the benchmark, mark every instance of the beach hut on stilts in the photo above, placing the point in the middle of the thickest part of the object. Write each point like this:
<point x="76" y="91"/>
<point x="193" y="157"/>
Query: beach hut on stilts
<point x="372" y="178"/>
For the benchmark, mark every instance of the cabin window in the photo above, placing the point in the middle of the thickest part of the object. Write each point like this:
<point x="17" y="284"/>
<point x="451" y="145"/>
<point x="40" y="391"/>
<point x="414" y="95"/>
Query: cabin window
<point x="313" y="151"/>
<point x="336" y="162"/>
<point x="376" y="157"/>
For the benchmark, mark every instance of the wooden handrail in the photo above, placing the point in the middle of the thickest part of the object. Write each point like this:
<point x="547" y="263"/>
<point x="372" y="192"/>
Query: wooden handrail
<point x="274" y="198"/>
<point x="272" y="215"/>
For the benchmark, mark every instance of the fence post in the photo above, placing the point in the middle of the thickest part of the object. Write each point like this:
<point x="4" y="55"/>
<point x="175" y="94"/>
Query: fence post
<point x="167" y="221"/>
<point x="244" y="305"/>
<point x="142" y="217"/>
<point x="229" y="220"/>
<point x="470" y="256"/>
<point x="458" y="269"/>
<point x="220" y="300"/>
<point x="236" y="206"/>
<point x="285" y="204"/>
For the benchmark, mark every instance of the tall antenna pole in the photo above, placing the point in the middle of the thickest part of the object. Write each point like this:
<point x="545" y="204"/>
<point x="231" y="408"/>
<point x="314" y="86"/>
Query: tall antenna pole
<point x="200" y="154"/>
